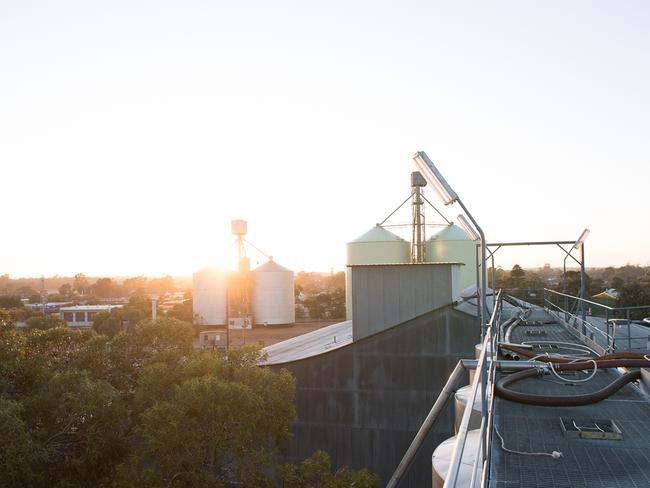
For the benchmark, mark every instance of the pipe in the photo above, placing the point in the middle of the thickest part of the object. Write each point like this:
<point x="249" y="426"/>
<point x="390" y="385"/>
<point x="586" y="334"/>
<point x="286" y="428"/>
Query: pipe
<point x="561" y="400"/>
<point x="449" y="389"/>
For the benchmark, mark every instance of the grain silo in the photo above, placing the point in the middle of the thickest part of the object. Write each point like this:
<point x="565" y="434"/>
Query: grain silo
<point x="209" y="293"/>
<point x="452" y="244"/>
<point x="377" y="246"/>
<point x="274" y="301"/>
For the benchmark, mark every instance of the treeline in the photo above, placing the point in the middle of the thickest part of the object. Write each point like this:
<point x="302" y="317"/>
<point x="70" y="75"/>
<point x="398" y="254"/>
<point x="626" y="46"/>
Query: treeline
<point x="80" y="287"/>
<point x="632" y="283"/>
<point x="320" y="295"/>
<point x="143" y="408"/>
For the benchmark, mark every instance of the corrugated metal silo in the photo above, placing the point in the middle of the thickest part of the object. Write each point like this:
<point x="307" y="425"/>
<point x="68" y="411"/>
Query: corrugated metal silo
<point x="209" y="293"/>
<point x="453" y="244"/>
<point x="377" y="246"/>
<point x="274" y="301"/>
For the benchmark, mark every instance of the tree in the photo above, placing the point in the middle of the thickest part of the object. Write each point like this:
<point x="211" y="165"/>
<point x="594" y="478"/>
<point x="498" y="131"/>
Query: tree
<point x="65" y="290"/>
<point x="45" y="321"/>
<point x="110" y="323"/>
<point x="161" y="286"/>
<point x="81" y="425"/>
<point x="634" y="295"/>
<point x="131" y="285"/>
<point x="26" y="292"/>
<point x="10" y="301"/>
<point x="81" y="284"/>
<point x="316" y="472"/>
<point x="104" y="288"/>
<point x="18" y="452"/>
<point x="183" y="311"/>
<point x="517" y="277"/>
<point x="142" y="408"/>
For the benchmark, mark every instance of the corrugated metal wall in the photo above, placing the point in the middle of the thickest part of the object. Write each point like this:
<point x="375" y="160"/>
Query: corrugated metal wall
<point x="364" y="403"/>
<point x="386" y="295"/>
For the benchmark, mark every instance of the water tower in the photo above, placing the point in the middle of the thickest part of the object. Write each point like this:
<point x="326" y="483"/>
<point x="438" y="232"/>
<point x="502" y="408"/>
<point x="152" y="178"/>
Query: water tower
<point x="239" y="289"/>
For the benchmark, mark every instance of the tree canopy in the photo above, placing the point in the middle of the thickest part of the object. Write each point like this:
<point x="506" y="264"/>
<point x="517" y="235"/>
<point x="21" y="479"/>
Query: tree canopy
<point x="143" y="408"/>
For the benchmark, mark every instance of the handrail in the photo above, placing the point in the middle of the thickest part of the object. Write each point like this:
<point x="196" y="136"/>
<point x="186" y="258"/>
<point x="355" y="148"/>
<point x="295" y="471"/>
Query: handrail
<point x="580" y="299"/>
<point x="606" y="307"/>
<point x="480" y="378"/>
<point x="587" y="324"/>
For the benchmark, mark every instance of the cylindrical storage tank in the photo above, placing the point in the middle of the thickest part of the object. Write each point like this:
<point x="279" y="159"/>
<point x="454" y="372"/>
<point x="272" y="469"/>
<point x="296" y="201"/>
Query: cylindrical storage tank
<point x="477" y="354"/>
<point x="209" y="294"/>
<point x="460" y="402"/>
<point x="452" y="244"/>
<point x="274" y="301"/>
<point x="239" y="227"/>
<point x="441" y="459"/>
<point x="377" y="246"/>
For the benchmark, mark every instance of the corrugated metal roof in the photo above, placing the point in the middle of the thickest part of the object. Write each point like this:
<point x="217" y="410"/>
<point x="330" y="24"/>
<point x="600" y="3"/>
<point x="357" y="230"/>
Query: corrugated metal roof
<point x="311" y="344"/>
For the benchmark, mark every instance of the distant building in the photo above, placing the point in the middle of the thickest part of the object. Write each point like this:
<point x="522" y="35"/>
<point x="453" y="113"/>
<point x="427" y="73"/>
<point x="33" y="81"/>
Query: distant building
<point x="212" y="339"/>
<point x="81" y="316"/>
<point x="50" y="307"/>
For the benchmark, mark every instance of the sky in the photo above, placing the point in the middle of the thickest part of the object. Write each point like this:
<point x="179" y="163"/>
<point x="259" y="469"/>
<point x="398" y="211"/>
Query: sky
<point x="133" y="132"/>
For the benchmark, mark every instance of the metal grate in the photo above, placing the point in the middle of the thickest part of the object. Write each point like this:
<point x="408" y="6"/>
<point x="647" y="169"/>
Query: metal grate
<point x="591" y="429"/>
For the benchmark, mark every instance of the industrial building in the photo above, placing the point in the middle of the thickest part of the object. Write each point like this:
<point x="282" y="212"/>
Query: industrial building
<point x="364" y="386"/>
<point x="384" y="390"/>
<point x="81" y="316"/>
<point x="264" y="296"/>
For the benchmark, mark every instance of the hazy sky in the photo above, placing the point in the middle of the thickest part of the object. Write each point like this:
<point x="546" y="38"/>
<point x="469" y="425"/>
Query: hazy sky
<point x="132" y="132"/>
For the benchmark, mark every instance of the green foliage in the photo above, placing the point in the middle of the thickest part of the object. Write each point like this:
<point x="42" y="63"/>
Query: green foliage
<point x="45" y="321"/>
<point x="142" y="408"/>
<point x="183" y="311"/>
<point x="10" y="301"/>
<point x="81" y="284"/>
<point x="19" y="453"/>
<point x="635" y="295"/>
<point x="105" y="287"/>
<point x="322" y="294"/>
<point x="65" y="289"/>
<point x="316" y="472"/>
<point x="113" y="322"/>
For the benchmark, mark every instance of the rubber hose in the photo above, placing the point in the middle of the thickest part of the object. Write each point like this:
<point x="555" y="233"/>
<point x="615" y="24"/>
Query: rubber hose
<point x="561" y="400"/>
<point x="619" y="355"/>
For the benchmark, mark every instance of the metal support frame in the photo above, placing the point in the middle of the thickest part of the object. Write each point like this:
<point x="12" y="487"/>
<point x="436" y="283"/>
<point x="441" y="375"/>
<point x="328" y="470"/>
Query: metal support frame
<point x="418" y="234"/>
<point x="482" y="290"/>
<point x="568" y="254"/>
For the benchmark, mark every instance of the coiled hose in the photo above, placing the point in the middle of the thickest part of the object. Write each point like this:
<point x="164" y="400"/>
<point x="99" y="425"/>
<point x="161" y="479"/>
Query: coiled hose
<point x="502" y="390"/>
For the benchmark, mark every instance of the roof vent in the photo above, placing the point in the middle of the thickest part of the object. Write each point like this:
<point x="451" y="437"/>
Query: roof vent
<point x="604" y="429"/>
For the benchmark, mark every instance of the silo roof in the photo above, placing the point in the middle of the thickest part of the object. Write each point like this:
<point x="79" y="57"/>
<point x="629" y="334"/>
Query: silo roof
<point x="271" y="267"/>
<point x="378" y="234"/>
<point x="451" y="233"/>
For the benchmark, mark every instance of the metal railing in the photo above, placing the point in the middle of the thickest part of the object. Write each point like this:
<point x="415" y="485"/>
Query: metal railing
<point x="610" y="315"/>
<point x="484" y="378"/>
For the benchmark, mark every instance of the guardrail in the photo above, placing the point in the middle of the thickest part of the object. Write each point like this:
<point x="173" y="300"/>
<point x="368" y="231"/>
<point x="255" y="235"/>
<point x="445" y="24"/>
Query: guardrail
<point x="484" y="377"/>
<point x="610" y="315"/>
